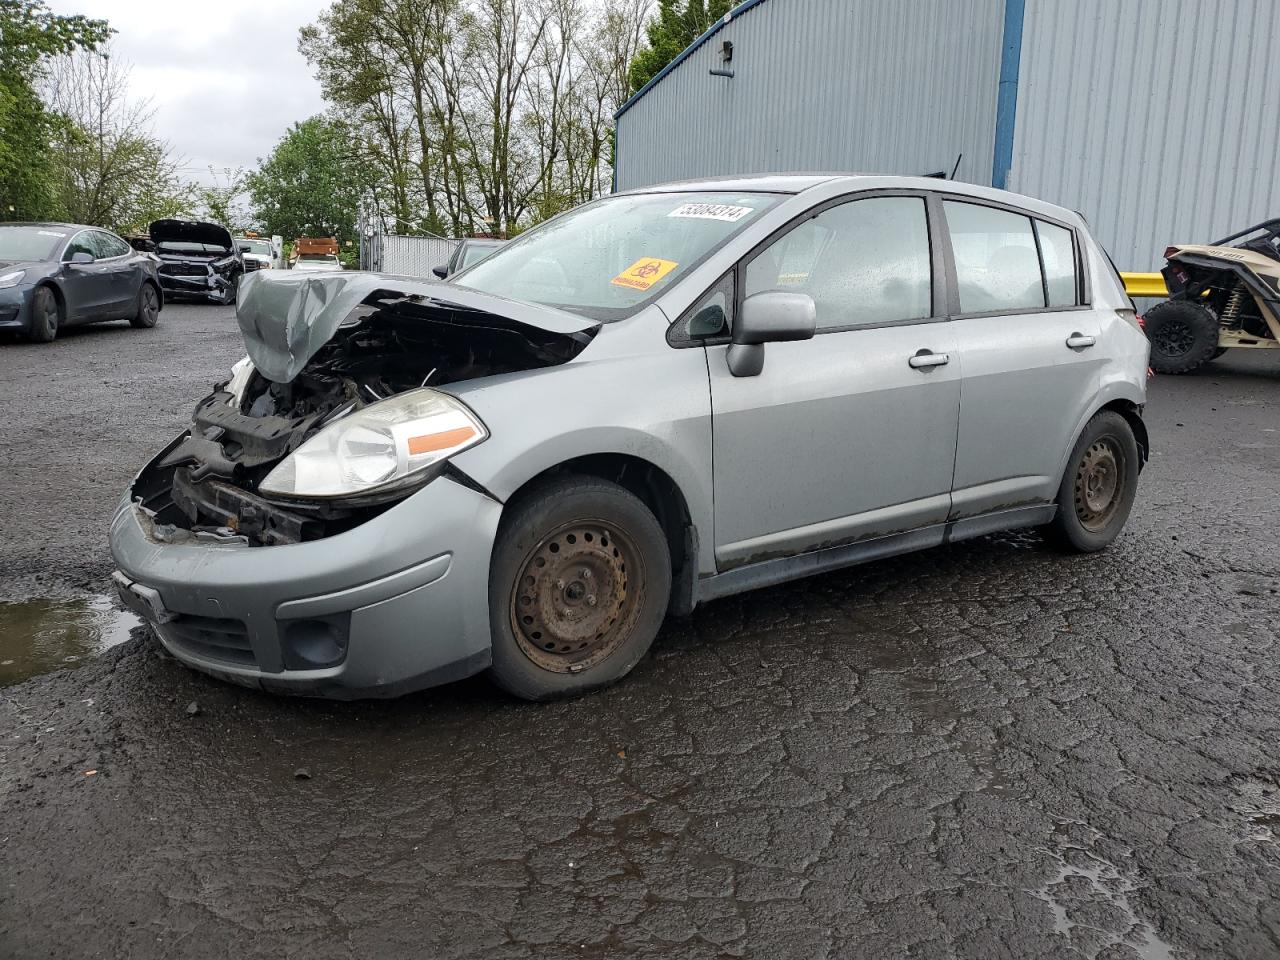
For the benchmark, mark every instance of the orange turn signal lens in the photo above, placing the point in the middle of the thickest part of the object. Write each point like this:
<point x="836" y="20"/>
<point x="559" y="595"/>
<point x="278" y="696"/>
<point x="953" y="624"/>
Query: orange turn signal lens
<point x="431" y="442"/>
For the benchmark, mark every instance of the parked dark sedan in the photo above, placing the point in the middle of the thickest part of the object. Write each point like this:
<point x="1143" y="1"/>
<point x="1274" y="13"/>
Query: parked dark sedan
<point x="197" y="259"/>
<point x="54" y="275"/>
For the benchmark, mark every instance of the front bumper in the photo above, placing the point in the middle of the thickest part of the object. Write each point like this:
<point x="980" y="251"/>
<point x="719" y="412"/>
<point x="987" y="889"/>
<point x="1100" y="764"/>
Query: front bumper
<point x="396" y="604"/>
<point x="15" y="308"/>
<point x="211" y="286"/>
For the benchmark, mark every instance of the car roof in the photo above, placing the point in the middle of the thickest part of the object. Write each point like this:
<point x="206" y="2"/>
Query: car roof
<point x="795" y="183"/>
<point x="757" y="183"/>
<point x="52" y="223"/>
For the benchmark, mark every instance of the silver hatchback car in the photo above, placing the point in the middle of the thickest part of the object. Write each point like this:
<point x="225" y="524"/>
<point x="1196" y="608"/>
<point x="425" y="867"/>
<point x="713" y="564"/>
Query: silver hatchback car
<point x="654" y="400"/>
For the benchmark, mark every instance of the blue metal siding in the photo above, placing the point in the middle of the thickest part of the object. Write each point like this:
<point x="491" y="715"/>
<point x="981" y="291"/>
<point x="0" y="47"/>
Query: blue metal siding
<point x="1156" y="119"/>
<point x="875" y="86"/>
<point x="1007" y="98"/>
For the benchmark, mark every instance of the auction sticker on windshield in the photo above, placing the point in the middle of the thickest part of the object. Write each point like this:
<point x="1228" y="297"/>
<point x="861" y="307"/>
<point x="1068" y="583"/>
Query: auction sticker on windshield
<point x="711" y="211"/>
<point x="644" y="273"/>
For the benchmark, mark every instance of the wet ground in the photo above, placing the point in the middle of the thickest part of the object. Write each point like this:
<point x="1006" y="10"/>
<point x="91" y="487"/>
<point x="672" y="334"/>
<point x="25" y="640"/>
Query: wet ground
<point x="988" y="750"/>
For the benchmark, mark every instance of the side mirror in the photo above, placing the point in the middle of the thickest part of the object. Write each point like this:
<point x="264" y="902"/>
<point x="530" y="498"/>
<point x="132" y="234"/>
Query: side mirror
<point x="770" y="317"/>
<point x="440" y="272"/>
<point x="81" y="257"/>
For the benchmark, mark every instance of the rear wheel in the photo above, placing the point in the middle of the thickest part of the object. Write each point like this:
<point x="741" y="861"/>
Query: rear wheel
<point x="148" y="311"/>
<point x="1099" y="486"/>
<point x="45" y="316"/>
<point x="1183" y="336"/>
<point x="578" y="587"/>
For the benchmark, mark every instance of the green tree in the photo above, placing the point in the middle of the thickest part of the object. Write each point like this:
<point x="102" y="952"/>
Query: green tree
<point x="676" y="26"/>
<point x="108" y="168"/>
<point x="311" y="183"/>
<point x="29" y="35"/>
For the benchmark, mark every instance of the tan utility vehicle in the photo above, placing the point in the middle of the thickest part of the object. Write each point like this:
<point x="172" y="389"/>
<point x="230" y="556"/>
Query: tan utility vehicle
<point x="1221" y="296"/>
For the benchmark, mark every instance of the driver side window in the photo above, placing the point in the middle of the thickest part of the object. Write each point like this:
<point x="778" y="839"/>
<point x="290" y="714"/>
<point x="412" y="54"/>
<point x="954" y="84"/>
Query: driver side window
<point x="79" y="244"/>
<point x="865" y="262"/>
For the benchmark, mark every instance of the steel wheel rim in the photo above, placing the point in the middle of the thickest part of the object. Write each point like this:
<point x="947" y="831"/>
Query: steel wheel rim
<point x="577" y="596"/>
<point x="1174" y="338"/>
<point x="1099" y="485"/>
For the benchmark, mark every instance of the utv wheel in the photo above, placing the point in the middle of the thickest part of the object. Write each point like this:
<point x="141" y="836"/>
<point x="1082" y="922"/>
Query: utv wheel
<point x="45" y="316"/>
<point x="1099" y="485"/>
<point x="578" y="587"/>
<point x="1183" y="336"/>
<point x="148" y="311"/>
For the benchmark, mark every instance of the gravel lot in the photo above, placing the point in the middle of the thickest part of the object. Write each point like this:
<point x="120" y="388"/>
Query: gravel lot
<point x="988" y="750"/>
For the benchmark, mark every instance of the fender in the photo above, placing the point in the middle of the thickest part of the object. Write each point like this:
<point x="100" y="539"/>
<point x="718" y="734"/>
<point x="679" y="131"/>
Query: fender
<point x="583" y="409"/>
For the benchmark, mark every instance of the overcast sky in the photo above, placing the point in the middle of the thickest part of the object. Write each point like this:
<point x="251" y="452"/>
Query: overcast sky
<point x="225" y="78"/>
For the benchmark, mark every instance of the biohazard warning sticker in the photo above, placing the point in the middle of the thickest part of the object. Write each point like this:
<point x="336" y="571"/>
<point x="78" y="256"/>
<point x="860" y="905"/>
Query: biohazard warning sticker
<point x="711" y="211"/>
<point x="644" y="273"/>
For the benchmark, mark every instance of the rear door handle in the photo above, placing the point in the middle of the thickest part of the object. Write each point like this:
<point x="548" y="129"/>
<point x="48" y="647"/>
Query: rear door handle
<point x="927" y="358"/>
<point x="1078" y="341"/>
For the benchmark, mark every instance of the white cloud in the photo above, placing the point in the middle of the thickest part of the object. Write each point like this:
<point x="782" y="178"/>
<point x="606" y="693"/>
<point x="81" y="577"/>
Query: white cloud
<point x="225" y="77"/>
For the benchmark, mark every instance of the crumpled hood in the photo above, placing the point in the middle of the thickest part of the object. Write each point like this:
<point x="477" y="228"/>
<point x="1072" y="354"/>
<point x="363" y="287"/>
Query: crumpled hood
<point x="189" y="231"/>
<point x="285" y="317"/>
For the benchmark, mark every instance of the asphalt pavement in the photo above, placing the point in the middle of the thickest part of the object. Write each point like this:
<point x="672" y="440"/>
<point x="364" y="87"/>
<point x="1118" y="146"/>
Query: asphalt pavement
<point x="989" y="750"/>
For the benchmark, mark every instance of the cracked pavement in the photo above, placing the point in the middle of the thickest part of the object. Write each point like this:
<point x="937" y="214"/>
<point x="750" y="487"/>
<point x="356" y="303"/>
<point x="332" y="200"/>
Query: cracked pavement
<point x="986" y="750"/>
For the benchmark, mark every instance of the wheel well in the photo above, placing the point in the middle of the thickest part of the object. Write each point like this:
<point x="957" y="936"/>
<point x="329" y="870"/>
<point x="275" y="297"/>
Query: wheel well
<point x="1133" y="414"/>
<point x="655" y="488"/>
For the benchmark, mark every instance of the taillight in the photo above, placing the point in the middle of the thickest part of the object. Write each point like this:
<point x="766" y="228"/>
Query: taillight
<point x="1142" y="323"/>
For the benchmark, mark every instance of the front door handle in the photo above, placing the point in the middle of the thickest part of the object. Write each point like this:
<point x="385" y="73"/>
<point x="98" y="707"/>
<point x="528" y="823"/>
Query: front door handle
<point x="1078" y="341"/>
<point x="927" y="358"/>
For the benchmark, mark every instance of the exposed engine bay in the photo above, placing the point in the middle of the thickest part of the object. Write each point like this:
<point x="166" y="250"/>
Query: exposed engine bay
<point x="205" y="485"/>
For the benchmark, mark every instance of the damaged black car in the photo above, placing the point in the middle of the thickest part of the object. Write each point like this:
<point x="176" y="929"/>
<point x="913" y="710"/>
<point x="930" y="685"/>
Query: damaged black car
<point x="198" y="260"/>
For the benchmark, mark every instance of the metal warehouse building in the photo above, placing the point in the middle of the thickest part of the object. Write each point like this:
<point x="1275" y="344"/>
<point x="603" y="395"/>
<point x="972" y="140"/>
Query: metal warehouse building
<point x="1156" y="119"/>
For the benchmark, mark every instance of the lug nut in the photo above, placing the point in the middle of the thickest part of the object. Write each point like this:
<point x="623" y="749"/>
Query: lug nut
<point x="591" y="600"/>
<point x="559" y="584"/>
<point x="584" y="573"/>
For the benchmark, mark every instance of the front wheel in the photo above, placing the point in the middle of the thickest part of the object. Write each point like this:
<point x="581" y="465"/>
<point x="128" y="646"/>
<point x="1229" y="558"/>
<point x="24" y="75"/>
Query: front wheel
<point x="1099" y="486"/>
<point x="578" y="587"/>
<point x="148" y="312"/>
<point x="45" y="316"/>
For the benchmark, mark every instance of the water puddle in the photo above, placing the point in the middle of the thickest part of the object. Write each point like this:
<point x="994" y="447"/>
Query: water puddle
<point x="37" y="636"/>
<point x="1089" y="899"/>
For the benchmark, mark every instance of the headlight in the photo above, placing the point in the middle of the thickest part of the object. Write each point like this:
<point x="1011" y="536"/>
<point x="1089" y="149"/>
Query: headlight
<point x="12" y="279"/>
<point x="384" y="446"/>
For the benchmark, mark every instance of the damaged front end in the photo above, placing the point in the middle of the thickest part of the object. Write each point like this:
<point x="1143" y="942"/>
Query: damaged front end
<point x="338" y="412"/>
<point x="197" y="260"/>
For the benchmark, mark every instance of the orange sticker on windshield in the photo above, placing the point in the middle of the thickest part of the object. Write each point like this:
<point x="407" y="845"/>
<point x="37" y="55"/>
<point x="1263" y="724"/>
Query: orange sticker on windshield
<point x="644" y="273"/>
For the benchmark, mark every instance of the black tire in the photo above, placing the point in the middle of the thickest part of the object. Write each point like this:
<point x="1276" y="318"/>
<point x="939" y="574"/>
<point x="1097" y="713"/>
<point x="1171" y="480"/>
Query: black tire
<point x="46" y="316"/>
<point x="233" y="291"/>
<point x="1183" y="336"/>
<point x="148" y="312"/>
<point x="578" y="587"/>
<point x="1099" y="485"/>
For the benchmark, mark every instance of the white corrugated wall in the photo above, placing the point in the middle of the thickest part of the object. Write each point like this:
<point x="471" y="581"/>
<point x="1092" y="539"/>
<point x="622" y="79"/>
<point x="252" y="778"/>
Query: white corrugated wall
<point x="1159" y="120"/>
<point x="881" y="86"/>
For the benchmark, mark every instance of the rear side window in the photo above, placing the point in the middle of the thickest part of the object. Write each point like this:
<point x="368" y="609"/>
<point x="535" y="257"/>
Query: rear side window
<point x="1058" y="251"/>
<point x="997" y="267"/>
<point x="864" y="262"/>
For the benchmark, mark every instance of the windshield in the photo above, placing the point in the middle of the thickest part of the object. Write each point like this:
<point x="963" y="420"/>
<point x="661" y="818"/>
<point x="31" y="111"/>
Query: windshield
<point x="187" y="246"/>
<point x="606" y="259"/>
<point x="262" y="247"/>
<point x="30" y="243"/>
<point x="475" y="252"/>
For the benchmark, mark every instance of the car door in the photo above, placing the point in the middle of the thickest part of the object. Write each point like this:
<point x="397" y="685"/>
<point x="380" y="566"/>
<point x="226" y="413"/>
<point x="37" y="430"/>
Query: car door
<point x="122" y="271"/>
<point x="86" y="287"/>
<point x="1027" y="335"/>
<point x="850" y="435"/>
